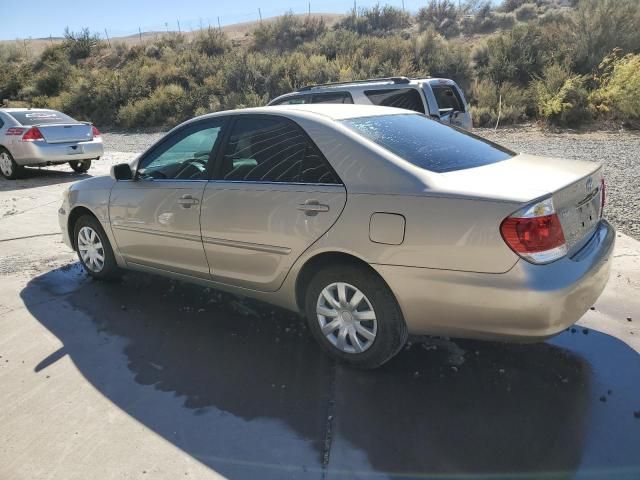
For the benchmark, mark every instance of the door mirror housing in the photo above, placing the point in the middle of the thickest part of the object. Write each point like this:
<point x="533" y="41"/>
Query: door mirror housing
<point x="121" y="171"/>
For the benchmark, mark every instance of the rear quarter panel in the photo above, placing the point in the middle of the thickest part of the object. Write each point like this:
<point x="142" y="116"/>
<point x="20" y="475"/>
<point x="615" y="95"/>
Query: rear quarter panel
<point x="440" y="233"/>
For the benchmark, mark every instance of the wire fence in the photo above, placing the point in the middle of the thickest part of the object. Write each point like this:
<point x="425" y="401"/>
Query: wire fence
<point x="214" y="20"/>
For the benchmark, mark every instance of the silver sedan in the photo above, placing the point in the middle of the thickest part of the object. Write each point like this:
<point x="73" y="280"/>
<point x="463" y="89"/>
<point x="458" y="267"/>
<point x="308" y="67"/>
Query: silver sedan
<point x="373" y="222"/>
<point x="39" y="137"/>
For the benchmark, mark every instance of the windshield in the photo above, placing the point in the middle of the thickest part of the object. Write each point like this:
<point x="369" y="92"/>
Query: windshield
<point x="40" y="117"/>
<point x="427" y="143"/>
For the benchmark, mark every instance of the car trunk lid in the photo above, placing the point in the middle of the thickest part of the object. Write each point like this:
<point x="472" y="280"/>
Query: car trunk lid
<point x="64" y="133"/>
<point x="575" y="187"/>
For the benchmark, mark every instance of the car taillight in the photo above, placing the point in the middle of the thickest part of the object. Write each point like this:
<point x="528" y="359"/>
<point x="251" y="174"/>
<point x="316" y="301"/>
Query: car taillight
<point x="32" y="135"/>
<point x="535" y="233"/>
<point x="95" y="131"/>
<point x="602" y="190"/>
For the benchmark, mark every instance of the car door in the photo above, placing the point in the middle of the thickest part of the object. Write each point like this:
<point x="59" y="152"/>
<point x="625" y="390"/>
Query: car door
<point x="156" y="217"/>
<point x="271" y="196"/>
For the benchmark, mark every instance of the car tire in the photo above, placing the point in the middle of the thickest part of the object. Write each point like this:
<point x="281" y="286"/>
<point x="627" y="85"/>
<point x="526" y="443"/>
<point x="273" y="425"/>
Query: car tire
<point x="80" y="166"/>
<point x="387" y="333"/>
<point x="9" y="169"/>
<point x="94" y="249"/>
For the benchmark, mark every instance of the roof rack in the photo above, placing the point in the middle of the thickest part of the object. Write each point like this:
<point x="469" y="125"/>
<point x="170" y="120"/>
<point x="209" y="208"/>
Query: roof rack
<point x="395" y="80"/>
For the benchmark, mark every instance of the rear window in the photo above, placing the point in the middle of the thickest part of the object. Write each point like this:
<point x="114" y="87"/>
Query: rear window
<point x="34" y="117"/>
<point x="407" y="98"/>
<point x="447" y="98"/>
<point x="427" y="143"/>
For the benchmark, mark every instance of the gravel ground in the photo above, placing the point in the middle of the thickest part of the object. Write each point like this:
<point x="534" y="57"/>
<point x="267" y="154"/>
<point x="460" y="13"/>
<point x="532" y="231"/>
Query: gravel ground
<point x="619" y="152"/>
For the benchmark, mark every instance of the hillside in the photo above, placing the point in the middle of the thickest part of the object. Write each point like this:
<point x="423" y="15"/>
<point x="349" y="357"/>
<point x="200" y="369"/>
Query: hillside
<point x="238" y="32"/>
<point x="557" y="62"/>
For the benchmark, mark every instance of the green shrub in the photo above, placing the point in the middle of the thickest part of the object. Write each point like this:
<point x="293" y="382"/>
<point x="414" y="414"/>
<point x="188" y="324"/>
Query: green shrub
<point x="375" y="20"/>
<point x="211" y="42"/>
<point x="436" y="57"/>
<point x="441" y="15"/>
<point x="603" y="25"/>
<point x="486" y="21"/>
<point x="508" y="103"/>
<point x="511" y="5"/>
<point x="287" y="32"/>
<point x="526" y="12"/>
<point x="618" y="92"/>
<point x="81" y="45"/>
<point x="561" y="97"/>
<point x="163" y="107"/>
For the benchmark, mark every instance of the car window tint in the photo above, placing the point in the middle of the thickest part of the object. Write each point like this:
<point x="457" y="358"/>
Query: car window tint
<point x="427" y="143"/>
<point x="293" y="101"/>
<point x="184" y="157"/>
<point x="407" y="98"/>
<point x="269" y="149"/>
<point x="447" y="98"/>
<point x="31" y="117"/>
<point x="333" y="97"/>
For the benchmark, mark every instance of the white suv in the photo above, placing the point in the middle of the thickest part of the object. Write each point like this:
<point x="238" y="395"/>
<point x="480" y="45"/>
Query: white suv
<point x="439" y="98"/>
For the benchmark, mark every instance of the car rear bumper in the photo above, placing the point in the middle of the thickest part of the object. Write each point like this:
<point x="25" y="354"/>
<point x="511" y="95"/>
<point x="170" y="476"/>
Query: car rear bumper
<point x="528" y="303"/>
<point x="41" y="153"/>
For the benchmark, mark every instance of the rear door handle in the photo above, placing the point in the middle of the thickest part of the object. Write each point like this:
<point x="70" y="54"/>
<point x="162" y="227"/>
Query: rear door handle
<point x="187" y="200"/>
<point x="313" y="207"/>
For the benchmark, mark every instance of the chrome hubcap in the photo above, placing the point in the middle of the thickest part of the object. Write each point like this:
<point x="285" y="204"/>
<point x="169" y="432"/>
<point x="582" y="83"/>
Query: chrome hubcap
<point x="346" y="317"/>
<point x="91" y="249"/>
<point x="5" y="164"/>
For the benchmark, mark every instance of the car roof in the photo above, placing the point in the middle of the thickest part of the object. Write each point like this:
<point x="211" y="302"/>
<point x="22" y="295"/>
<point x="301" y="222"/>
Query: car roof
<point x="373" y="84"/>
<point x="333" y="111"/>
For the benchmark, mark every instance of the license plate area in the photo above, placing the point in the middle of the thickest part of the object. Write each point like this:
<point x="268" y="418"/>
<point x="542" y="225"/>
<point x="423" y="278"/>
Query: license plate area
<point x="75" y="149"/>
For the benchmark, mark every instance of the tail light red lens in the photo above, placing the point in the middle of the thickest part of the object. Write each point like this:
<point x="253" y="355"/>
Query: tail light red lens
<point x="535" y="233"/>
<point x="32" y="135"/>
<point x="95" y="131"/>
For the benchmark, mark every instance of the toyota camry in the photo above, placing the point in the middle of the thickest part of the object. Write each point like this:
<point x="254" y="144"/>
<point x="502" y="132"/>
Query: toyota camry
<point x="372" y="222"/>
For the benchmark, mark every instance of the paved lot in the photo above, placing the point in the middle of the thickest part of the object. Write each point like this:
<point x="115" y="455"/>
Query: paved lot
<point x="150" y="378"/>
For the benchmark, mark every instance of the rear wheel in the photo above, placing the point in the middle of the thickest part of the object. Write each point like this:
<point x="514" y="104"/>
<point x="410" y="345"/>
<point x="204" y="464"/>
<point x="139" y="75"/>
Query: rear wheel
<point x="8" y="166"/>
<point x="94" y="250"/>
<point x="80" y="166"/>
<point x="354" y="316"/>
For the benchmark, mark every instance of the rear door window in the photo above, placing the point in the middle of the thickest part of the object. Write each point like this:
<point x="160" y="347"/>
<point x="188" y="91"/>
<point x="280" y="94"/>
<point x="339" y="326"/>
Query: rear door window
<point x="272" y="149"/>
<point x="448" y="98"/>
<point x="427" y="143"/>
<point x="407" y="98"/>
<point x="32" y="117"/>
<point x="333" y="97"/>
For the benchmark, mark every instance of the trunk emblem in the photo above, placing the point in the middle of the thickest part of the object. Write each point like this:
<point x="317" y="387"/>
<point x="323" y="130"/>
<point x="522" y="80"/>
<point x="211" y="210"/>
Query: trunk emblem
<point x="589" y="184"/>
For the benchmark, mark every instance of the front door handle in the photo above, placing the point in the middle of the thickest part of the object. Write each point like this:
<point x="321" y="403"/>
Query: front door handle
<point x="187" y="200"/>
<point x="313" y="207"/>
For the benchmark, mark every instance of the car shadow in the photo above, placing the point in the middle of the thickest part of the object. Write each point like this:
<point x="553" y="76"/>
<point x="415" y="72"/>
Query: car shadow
<point x="240" y="386"/>
<point x="33" y="177"/>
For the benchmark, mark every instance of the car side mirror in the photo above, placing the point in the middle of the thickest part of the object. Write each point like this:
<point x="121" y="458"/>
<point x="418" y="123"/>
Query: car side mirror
<point x="121" y="171"/>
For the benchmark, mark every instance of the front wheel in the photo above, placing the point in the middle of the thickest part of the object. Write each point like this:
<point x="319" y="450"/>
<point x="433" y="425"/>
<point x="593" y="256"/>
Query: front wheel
<point x="80" y="166"/>
<point x="8" y="166"/>
<point x="94" y="250"/>
<point x="354" y="316"/>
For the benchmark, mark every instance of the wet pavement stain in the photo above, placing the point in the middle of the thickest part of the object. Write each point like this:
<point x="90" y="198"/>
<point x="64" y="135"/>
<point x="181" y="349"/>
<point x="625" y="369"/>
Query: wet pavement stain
<point x="242" y="387"/>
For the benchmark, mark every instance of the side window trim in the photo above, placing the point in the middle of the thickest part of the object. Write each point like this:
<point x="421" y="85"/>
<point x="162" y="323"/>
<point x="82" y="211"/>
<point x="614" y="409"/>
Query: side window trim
<point x="216" y="171"/>
<point x="168" y="138"/>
